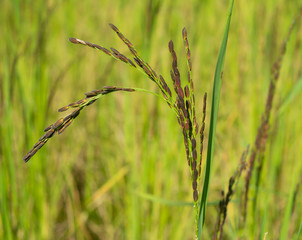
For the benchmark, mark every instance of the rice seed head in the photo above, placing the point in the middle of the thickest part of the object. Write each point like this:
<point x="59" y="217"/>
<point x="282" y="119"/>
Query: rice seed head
<point x="49" y="133"/>
<point x="195" y="196"/>
<point x="29" y="155"/>
<point x="153" y="72"/>
<point x="165" y="86"/>
<point x="189" y="59"/>
<point x="114" y="28"/>
<point x="187" y="124"/>
<point x="66" y="124"/>
<point x="71" y="105"/>
<point x="41" y="144"/>
<point x="115" y="52"/>
<point x="67" y="117"/>
<point x="81" y="101"/>
<point x="171" y="46"/>
<point x="184" y="33"/>
<point x="63" y="109"/>
<point x="57" y="124"/>
<point x="205" y="104"/>
<point x="138" y="62"/>
<point x="91" y="94"/>
<point x="194" y="154"/>
<point x="173" y="80"/>
<point x="104" y="50"/>
<point x="109" y="87"/>
<point x="195" y="174"/>
<point x="36" y="144"/>
<point x="120" y="56"/>
<point x="194" y="185"/>
<point x="177" y="77"/>
<point x="187" y="91"/>
<point x="196" y="126"/>
<point x="75" y="113"/>
<point x="133" y="65"/>
<point x="123" y="58"/>
<point x="98" y="47"/>
<point x="189" y="77"/>
<point x="73" y="40"/>
<point x="194" y="163"/>
<point x="193" y="143"/>
<point x="147" y="71"/>
<point x="184" y="132"/>
<point x="78" y="103"/>
<point x="180" y="92"/>
<point x="129" y="89"/>
<point x="192" y="86"/>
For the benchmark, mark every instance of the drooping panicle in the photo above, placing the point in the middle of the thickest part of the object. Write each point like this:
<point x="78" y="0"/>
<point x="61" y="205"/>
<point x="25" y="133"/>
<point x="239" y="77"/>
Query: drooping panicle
<point x="140" y="62"/>
<point x="185" y="107"/>
<point x="113" y="53"/>
<point x="60" y="125"/>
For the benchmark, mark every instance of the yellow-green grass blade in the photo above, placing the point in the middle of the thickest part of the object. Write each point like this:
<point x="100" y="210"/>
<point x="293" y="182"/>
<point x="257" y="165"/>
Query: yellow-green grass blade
<point x="213" y="121"/>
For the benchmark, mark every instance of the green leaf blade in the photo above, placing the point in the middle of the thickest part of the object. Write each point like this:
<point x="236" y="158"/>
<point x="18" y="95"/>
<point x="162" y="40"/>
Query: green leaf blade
<point x="213" y="121"/>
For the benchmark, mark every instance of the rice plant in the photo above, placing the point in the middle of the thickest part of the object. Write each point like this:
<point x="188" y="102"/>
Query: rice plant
<point x="183" y="104"/>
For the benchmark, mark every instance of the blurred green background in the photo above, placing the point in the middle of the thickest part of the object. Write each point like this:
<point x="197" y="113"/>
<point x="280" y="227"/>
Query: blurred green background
<point x="91" y="182"/>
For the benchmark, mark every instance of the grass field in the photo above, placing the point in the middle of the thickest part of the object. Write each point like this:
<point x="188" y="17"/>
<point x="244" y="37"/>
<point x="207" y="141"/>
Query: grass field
<point x="120" y="170"/>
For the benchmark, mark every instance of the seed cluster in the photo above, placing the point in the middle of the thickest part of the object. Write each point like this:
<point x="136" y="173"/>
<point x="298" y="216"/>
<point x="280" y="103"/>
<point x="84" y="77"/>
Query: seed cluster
<point x="60" y="125"/>
<point x="183" y="103"/>
<point x="185" y="106"/>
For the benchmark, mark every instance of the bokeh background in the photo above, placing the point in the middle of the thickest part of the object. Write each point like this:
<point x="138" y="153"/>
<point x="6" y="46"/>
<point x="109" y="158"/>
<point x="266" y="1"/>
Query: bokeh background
<point x="120" y="171"/>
